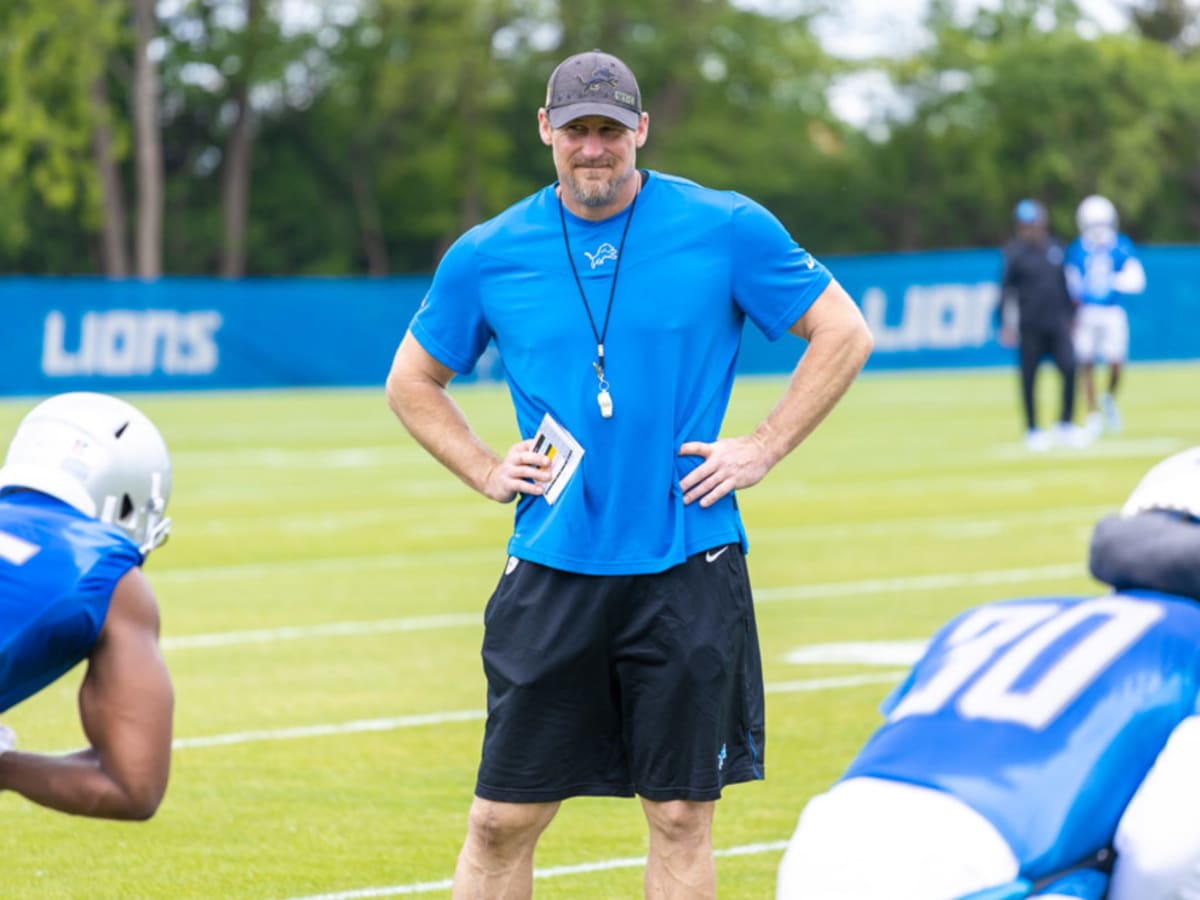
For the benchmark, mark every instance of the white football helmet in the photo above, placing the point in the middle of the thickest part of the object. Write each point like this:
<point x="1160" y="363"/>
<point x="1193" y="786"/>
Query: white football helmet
<point x="1173" y="484"/>
<point x="1096" y="212"/>
<point x="100" y="455"/>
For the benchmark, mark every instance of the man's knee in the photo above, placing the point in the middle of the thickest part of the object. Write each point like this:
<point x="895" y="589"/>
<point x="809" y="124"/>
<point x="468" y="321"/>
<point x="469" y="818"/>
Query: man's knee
<point x="501" y="827"/>
<point x="680" y="820"/>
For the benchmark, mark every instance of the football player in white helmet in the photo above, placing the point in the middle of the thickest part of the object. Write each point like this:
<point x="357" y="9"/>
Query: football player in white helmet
<point x="83" y="497"/>
<point x="1038" y="736"/>
<point x="1102" y="270"/>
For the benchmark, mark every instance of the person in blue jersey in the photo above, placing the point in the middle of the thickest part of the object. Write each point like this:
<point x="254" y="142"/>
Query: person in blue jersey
<point x="620" y="646"/>
<point x="1102" y="270"/>
<point x="1038" y="736"/>
<point x="83" y="496"/>
<point x="1036" y="314"/>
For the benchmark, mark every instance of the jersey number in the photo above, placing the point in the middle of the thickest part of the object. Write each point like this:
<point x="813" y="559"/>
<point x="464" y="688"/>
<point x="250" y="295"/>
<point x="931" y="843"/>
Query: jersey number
<point x="15" y="550"/>
<point x="1008" y="688"/>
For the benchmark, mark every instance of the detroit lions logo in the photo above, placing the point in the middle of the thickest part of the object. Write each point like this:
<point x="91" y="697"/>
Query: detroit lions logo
<point x="604" y="252"/>
<point x="600" y="77"/>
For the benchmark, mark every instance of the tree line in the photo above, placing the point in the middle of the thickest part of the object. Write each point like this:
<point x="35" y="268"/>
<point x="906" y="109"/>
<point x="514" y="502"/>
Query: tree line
<point x="360" y="137"/>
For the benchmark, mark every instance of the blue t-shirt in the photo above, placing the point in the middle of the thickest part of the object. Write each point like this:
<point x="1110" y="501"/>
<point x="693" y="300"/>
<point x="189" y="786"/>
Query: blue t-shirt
<point x="1091" y="269"/>
<point x="58" y="569"/>
<point x="695" y="264"/>
<point x="1044" y="715"/>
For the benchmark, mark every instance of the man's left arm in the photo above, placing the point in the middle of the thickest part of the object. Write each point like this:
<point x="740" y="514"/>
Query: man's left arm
<point x="126" y="708"/>
<point x="839" y="343"/>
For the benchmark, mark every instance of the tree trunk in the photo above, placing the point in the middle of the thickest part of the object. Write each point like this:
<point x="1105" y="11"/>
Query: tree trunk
<point x="235" y="173"/>
<point x="148" y="144"/>
<point x="366" y="206"/>
<point x="235" y="186"/>
<point x="112" y="199"/>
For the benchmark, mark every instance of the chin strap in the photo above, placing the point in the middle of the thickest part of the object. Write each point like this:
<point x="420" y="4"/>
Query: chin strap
<point x="1157" y="550"/>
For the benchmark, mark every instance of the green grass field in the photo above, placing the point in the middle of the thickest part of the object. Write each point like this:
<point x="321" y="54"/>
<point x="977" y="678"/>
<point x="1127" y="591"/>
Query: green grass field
<point x="322" y="598"/>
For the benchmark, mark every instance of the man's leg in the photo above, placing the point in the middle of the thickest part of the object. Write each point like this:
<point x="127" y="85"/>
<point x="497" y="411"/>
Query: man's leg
<point x="1089" y="385"/>
<point x="496" y="862"/>
<point x="680" y="864"/>
<point x="1030" y="357"/>
<point x="1064" y="360"/>
<point x="1114" y="377"/>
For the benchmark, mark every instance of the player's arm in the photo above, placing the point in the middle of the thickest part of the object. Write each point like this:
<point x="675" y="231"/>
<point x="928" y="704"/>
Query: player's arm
<point x="1157" y="550"/>
<point x="126" y="705"/>
<point x="417" y="393"/>
<point x="1130" y="278"/>
<point x="839" y="343"/>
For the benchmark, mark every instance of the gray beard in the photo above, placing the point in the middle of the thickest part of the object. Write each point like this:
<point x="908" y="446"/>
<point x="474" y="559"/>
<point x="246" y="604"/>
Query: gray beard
<point x="598" y="196"/>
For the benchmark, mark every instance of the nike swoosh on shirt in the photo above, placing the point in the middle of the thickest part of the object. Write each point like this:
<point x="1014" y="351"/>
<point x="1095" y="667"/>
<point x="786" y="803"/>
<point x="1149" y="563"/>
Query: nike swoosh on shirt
<point x="711" y="555"/>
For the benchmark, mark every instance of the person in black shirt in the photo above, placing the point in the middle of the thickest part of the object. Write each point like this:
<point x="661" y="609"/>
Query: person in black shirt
<point x="1036" y="315"/>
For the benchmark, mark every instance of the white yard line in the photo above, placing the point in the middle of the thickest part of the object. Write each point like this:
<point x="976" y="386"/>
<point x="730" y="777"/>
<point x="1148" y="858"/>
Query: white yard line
<point x="396" y="723"/>
<point x="1059" y="572"/>
<point x="324" y="629"/>
<point x="603" y="865"/>
<point x="947" y="581"/>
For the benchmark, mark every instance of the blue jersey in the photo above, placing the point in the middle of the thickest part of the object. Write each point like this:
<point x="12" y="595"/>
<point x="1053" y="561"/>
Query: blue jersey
<point x="1044" y="715"/>
<point x="58" y="569"/>
<point x="1092" y="268"/>
<point x="694" y="265"/>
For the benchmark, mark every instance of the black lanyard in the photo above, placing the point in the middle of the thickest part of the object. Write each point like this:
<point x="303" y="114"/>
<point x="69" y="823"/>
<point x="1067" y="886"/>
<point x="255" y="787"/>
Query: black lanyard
<point x="604" y="399"/>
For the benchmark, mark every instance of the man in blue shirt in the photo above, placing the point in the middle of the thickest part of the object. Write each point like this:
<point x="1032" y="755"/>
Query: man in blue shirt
<point x="83" y="495"/>
<point x="620" y="647"/>
<point x="1037" y="735"/>
<point x="1102" y="269"/>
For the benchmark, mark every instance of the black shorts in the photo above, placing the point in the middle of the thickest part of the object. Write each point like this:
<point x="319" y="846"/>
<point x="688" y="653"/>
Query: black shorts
<point x="618" y="685"/>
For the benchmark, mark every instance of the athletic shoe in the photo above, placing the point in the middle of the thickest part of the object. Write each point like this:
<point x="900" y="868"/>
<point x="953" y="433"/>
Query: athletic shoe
<point x="8" y="739"/>
<point x="1067" y="434"/>
<point x="1037" y="441"/>
<point x="1094" y="426"/>
<point x="1112" y="418"/>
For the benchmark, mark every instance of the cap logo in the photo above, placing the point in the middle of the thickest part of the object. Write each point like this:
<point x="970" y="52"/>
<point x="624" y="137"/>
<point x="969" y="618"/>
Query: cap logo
<point x="601" y="76"/>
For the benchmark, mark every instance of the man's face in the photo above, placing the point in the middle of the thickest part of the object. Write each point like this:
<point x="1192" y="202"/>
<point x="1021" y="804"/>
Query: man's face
<point x="593" y="156"/>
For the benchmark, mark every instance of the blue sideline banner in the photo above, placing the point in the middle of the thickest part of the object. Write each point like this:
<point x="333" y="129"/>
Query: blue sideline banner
<point x="926" y="310"/>
<point x="185" y="333"/>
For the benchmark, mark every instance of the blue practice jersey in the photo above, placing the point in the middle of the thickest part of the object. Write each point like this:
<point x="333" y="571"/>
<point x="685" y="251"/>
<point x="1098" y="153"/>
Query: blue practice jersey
<point x="58" y="569"/>
<point x="1044" y="715"/>
<point x="1092" y="267"/>
<point x="696" y="263"/>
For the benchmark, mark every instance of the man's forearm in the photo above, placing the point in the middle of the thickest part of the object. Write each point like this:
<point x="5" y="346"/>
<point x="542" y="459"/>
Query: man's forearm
<point x="830" y="364"/>
<point x="438" y="424"/>
<point x="75" y="784"/>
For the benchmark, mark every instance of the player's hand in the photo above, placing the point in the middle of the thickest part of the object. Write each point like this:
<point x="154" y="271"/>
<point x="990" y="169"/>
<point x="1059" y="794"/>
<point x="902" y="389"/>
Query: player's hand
<point x="729" y="464"/>
<point x="1008" y="337"/>
<point x="520" y="472"/>
<point x="8" y="739"/>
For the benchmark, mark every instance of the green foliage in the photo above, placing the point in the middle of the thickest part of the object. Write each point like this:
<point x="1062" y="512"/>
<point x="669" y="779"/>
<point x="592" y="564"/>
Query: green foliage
<point x="49" y="56"/>
<point x="384" y="128"/>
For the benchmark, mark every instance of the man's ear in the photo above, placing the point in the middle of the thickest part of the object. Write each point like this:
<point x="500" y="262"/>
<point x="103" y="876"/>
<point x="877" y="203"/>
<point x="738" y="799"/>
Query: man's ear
<point x="643" y="131"/>
<point x="544" y="130"/>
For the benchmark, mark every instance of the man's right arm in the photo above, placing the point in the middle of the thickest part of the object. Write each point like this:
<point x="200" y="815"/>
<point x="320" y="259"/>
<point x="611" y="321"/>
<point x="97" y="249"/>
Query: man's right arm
<point x="417" y="393"/>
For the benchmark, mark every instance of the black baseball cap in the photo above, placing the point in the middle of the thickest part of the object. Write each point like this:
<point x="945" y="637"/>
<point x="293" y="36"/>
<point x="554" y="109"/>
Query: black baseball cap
<point x="593" y="84"/>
